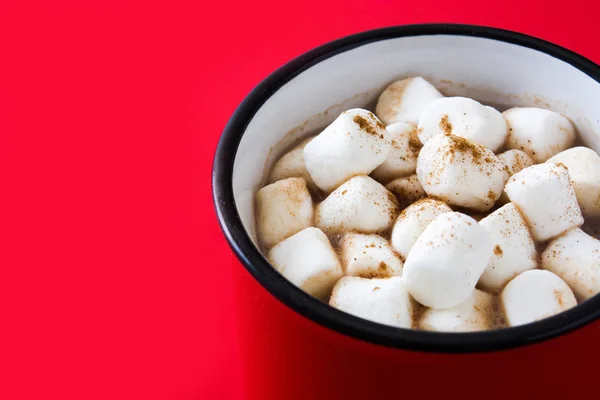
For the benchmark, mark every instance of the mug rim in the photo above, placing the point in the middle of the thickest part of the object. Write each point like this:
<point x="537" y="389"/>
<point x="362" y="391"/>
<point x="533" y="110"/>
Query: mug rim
<point x="323" y="314"/>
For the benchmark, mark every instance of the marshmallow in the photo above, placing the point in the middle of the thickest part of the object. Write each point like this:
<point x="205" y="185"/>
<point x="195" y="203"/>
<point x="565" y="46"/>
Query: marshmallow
<point x="407" y="190"/>
<point x="361" y="204"/>
<point x="545" y="196"/>
<point x="535" y="295"/>
<point x="474" y="314"/>
<point x="412" y="221"/>
<point x="369" y="256"/>
<point x="283" y="208"/>
<point x="460" y="172"/>
<point x="385" y="301"/>
<point x="514" y="248"/>
<point x="308" y="261"/>
<point x="404" y="100"/>
<point x="446" y="261"/>
<point x="584" y="168"/>
<point x="575" y="257"/>
<point x="354" y="144"/>
<point x="402" y="159"/>
<point x="514" y="161"/>
<point x="463" y="117"/>
<point x="291" y="165"/>
<point x="538" y="132"/>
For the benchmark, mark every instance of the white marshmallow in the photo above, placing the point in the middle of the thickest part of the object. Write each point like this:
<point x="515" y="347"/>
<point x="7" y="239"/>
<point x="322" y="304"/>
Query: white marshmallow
<point x="514" y="248"/>
<point x="291" y="165"/>
<point x="544" y="194"/>
<point x="402" y="159"/>
<point x="535" y="295"/>
<point x="308" y="261"/>
<point x="412" y="221"/>
<point x="460" y="172"/>
<point x="403" y="100"/>
<point x="369" y="256"/>
<point x="514" y="161"/>
<point x="407" y="190"/>
<point x="283" y="208"/>
<point x="361" y="204"/>
<point x="464" y="117"/>
<point x="354" y="144"/>
<point x="474" y="314"/>
<point x="385" y="301"/>
<point x="538" y="132"/>
<point x="446" y="261"/>
<point x="584" y="168"/>
<point x="575" y="257"/>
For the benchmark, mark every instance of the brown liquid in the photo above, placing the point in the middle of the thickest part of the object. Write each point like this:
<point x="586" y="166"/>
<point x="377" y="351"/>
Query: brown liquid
<point x="498" y="317"/>
<point x="592" y="227"/>
<point x="417" y="313"/>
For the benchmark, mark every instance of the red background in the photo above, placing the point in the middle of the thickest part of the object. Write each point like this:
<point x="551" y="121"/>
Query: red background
<point x="115" y="279"/>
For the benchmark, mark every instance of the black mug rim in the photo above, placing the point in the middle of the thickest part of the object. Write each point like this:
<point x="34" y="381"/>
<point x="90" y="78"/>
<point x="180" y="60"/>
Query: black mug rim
<point x="323" y="314"/>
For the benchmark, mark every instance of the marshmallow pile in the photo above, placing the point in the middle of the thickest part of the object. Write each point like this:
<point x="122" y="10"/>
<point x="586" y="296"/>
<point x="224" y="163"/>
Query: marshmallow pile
<point x="451" y="217"/>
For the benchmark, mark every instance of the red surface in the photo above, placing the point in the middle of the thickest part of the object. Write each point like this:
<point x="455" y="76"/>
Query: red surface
<point x="286" y="356"/>
<point x="115" y="281"/>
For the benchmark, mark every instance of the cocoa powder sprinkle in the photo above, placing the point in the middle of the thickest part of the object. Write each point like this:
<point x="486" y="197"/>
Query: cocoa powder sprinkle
<point x="498" y="250"/>
<point x="368" y="126"/>
<point x="463" y="145"/>
<point x="446" y="125"/>
<point x="414" y="143"/>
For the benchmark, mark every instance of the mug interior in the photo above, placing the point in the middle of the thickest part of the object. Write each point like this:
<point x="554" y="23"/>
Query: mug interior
<point x="498" y="71"/>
